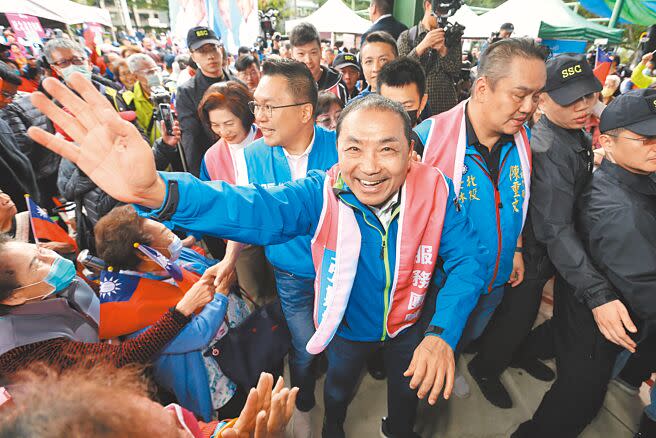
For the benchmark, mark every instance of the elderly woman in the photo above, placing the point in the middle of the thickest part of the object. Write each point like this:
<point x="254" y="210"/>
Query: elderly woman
<point x="195" y="379"/>
<point x="224" y="109"/>
<point x="50" y="315"/>
<point x="124" y="75"/>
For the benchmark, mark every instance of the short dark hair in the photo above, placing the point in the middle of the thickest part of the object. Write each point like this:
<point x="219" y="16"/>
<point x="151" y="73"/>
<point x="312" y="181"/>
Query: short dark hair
<point x="8" y="76"/>
<point x="380" y="36"/>
<point x="304" y="33"/>
<point x="231" y="95"/>
<point x="326" y="99"/>
<point x="245" y="61"/>
<point x="243" y="50"/>
<point x="497" y="57"/>
<point x="384" y="6"/>
<point x="403" y="71"/>
<point x="380" y="103"/>
<point x="299" y="79"/>
<point x="116" y="233"/>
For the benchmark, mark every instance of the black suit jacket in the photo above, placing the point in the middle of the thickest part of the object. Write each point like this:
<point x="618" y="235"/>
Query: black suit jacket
<point x="388" y="24"/>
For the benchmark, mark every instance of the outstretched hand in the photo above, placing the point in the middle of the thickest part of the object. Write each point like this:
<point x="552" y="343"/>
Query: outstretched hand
<point x="107" y="148"/>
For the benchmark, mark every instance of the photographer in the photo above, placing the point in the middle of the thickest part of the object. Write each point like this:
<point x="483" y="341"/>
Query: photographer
<point x="440" y="59"/>
<point x="505" y="31"/>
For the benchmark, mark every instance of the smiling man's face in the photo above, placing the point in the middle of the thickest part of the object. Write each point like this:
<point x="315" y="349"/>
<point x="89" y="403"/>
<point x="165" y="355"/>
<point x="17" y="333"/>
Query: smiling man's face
<point x="374" y="154"/>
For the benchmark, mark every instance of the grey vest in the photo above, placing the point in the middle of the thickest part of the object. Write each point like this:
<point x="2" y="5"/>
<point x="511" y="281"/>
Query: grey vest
<point x="74" y="314"/>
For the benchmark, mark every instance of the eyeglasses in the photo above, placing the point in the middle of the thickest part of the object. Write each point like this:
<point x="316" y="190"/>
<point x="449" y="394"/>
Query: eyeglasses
<point x="268" y="109"/>
<point x="646" y="141"/>
<point x="76" y="60"/>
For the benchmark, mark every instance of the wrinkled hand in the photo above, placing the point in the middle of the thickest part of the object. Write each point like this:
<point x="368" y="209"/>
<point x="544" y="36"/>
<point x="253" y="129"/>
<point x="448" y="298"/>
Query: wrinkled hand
<point x="58" y="247"/>
<point x="196" y="297"/>
<point x="647" y="57"/>
<point x="517" y="274"/>
<point x="613" y="320"/>
<point x="171" y="140"/>
<point x="434" y="39"/>
<point x="432" y="366"/>
<point x="107" y="148"/>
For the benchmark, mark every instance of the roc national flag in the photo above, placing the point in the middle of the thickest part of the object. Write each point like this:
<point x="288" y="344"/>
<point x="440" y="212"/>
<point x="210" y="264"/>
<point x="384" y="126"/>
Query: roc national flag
<point x="43" y="227"/>
<point x="130" y="302"/>
<point x="602" y="65"/>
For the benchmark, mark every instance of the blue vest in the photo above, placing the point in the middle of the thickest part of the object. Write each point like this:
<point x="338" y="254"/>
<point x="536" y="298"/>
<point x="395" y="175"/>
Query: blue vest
<point x="267" y="165"/>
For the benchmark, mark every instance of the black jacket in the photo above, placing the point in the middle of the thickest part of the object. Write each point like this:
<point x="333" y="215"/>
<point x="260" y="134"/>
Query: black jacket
<point x="196" y="139"/>
<point x="20" y="115"/>
<point x="562" y="168"/>
<point x="617" y="219"/>
<point x="388" y="24"/>
<point x="16" y="173"/>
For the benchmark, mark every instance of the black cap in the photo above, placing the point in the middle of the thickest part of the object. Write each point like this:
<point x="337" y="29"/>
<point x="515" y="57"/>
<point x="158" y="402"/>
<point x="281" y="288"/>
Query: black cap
<point x="569" y="78"/>
<point x="634" y="110"/>
<point x="346" y="60"/>
<point x="198" y="36"/>
<point x="507" y="26"/>
<point x="6" y="74"/>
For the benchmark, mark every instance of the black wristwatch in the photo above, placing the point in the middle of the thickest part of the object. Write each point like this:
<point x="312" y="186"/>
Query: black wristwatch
<point x="433" y="330"/>
<point x="519" y="249"/>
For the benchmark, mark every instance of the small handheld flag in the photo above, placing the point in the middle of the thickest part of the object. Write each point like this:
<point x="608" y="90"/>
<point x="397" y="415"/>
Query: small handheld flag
<point x="43" y="227"/>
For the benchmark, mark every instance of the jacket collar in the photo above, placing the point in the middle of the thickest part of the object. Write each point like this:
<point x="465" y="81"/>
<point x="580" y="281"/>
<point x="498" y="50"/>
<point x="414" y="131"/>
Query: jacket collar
<point x="574" y="137"/>
<point x="637" y="182"/>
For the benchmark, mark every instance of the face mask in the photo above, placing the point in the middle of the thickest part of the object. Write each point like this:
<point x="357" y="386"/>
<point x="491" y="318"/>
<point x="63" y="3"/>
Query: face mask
<point x="413" y="117"/>
<point x="175" y="248"/>
<point x="68" y="71"/>
<point x="60" y="276"/>
<point x="607" y="92"/>
<point x="154" y="80"/>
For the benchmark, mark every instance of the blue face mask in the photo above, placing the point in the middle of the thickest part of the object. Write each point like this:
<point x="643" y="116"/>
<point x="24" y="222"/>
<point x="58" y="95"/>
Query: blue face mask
<point x="61" y="274"/>
<point x="175" y="248"/>
<point x="68" y="71"/>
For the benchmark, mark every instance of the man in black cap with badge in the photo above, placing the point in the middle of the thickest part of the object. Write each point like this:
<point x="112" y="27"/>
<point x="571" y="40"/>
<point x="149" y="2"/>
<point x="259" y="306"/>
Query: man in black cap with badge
<point x="207" y="53"/>
<point x="615" y="219"/>
<point x="347" y="64"/>
<point x="562" y="166"/>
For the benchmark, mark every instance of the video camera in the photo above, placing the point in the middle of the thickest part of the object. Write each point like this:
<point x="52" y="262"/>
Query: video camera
<point x="443" y="9"/>
<point x="161" y="100"/>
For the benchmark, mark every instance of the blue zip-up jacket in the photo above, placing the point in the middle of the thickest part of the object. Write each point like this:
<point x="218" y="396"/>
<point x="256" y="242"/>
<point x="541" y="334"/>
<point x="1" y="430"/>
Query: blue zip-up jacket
<point x="269" y="216"/>
<point x="268" y="166"/>
<point x="180" y="367"/>
<point x="495" y="214"/>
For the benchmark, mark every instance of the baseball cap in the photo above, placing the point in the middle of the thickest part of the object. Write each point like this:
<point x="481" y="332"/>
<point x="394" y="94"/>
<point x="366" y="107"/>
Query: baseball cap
<point x="508" y="27"/>
<point x="634" y="110"/>
<point x="569" y="78"/>
<point x="200" y="35"/>
<point x="346" y="60"/>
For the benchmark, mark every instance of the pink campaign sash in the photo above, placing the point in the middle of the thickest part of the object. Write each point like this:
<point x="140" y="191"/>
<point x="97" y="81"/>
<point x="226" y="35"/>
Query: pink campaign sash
<point x="447" y="144"/>
<point x="220" y="163"/>
<point x="336" y="250"/>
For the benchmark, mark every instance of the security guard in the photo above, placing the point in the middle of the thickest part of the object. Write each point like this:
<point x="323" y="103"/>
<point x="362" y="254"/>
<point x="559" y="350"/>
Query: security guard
<point x="562" y="166"/>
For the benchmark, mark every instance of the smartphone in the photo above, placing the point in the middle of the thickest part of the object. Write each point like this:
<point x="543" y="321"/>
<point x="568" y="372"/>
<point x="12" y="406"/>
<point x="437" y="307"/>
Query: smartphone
<point x="167" y="116"/>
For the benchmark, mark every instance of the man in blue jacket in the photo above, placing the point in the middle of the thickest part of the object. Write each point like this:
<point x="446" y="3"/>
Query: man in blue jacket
<point x="291" y="145"/>
<point x="489" y="158"/>
<point x="379" y="223"/>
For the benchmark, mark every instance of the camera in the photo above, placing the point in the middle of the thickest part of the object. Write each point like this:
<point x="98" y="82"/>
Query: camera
<point x="443" y="9"/>
<point x="161" y="100"/>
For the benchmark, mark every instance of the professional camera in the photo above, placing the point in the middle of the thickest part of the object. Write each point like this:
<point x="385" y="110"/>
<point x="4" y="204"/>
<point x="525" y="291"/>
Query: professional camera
<point x="268" y="21"/>
<point x="443" y="9"/>
<point x="161" y="100"/>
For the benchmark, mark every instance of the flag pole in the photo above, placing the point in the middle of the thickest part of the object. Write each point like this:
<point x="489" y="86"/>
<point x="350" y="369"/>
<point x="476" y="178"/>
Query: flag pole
<point x="31" y="213"/>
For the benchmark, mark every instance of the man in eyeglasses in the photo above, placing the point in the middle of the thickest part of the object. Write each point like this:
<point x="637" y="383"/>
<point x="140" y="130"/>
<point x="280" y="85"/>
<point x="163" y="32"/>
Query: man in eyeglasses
<point x="207" y="53"/>
<point x="66" y="57"/>
<point x="291" y="145"/>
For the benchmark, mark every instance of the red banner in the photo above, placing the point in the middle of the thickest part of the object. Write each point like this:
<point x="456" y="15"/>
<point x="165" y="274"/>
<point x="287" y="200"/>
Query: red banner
<point x="25" y="26"/>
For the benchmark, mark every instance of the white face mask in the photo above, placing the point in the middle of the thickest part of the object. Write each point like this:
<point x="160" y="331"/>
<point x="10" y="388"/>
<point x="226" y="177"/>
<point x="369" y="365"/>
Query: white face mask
<point x="175" y="248"/>
<point x="68" y="71"/>
<point x="154" y="80"/>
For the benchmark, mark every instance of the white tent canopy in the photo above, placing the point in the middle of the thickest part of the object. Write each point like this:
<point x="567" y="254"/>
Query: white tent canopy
<point x="333" y="17"/>
<point x="465" y="16"/>
<point x="64" y="11"/>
